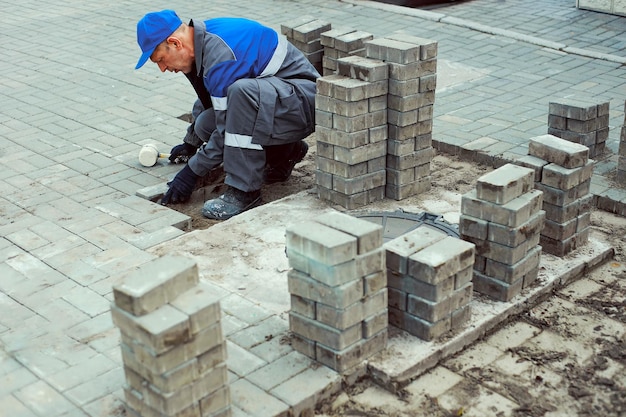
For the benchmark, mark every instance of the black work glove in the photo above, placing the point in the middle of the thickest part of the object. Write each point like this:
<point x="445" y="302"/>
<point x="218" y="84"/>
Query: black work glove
<point x="181" y="187"/>
<point x="180" y="154"/>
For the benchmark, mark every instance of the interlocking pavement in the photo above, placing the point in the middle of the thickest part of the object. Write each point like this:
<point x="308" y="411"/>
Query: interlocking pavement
<point x="74" y="114"/>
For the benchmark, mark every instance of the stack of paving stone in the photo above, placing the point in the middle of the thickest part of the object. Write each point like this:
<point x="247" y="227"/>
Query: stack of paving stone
<point x="342" y="43"/>
<point x="351" y="128"/>
<point x="173" y="349"/>
<point x="429" y="281"/>
<point x="502" y="216"/>
<point x="412" y="81"/>
<point x="621" y="161"/>
<point x="338" y="289"/>
<point x="580" y="122"/>
<point x="305" y="34"/>
<point x="563" y="173"/>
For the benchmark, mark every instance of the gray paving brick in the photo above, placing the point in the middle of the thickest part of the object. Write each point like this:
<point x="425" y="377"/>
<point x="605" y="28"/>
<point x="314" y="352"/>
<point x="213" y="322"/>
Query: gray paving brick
<point x="255" y="401"/>
<point x="159" y="330"/>
<point x="91" y="390"/>
<point x="321" y="243"/>
<point x="13" y="406"/>
<point x="504" y="184"/>
<point x="516" y="236"/>
<point x="200" y="305"/>
<point x="14" y="377"/>
<point x="338" y="297"/>
<point x="442" y="259"/>
<point x="76" y="375"/>
<point x="365" y="69"/>
<point x="318" y="383"/>
<point x="336" y="339"/>
<point x="279" y="371"/>
<point x="273" y="349"/>
<point x="243" y="309"/>
<point x="511" y="214"/>
<point x="369" y="235"/>
<point x="242" y="362"/>
<point x="153" y="285"/>
<point x="147" y="240"/>
<point x="259" y="333"/>
<point x="496" y="289"/>
<point x="558" y="151"/>
<point x="43" y="399"/>
<point x="26" y="239"/>
<point x="563" y="178"/>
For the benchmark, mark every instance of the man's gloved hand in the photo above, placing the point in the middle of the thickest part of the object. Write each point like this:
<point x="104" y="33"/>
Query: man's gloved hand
<point x="181" y="187"/>
<point x="181" y="153"/>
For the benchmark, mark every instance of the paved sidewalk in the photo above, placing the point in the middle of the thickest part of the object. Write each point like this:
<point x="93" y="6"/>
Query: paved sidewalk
<point x="74" y="113"/>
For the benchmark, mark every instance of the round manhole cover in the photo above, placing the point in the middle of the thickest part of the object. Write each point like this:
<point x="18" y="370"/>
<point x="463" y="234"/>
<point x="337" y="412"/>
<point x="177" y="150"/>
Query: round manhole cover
<point x="397" y="223"/>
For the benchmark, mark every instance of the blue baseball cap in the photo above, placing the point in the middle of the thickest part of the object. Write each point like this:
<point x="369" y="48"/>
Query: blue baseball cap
<point x="153" y="29"/>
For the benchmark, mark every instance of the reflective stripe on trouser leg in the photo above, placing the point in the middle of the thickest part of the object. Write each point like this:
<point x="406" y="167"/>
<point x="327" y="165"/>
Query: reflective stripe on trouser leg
<point x="244" y="160"/>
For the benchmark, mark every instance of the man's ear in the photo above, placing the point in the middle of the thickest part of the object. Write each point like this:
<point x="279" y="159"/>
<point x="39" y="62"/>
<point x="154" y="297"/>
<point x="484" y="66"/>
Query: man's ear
<point x="174" y="41"/>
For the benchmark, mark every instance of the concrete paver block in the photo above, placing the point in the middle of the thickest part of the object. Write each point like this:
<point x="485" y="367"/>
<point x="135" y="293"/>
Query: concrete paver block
<point x="160" y="329"/>
<point x="504" y="184"/>
<point x="558" y="151"/>
<point x="534" y="163"/>
<point x="338" y="297"/>
<point x="561" y="214"/>
<point x="495" y="288"/>
<point x="309" y="31"/>
<point x="255" y="401"/>
<point x="512" y="214"/>
<point x="349" y="89"/>
<point x="352" y="356"/>
<point x="154" y="284"/>
<point x="201" y="306"/>
<point x="441" y="260"/>
<point x="203" y="343"/>
<point x="322" y="243"/>
<point x="566" y="178"/>
<point x="366" y="69"/>
<point x="565" y="246"/>
<point x="328" y="37"/>
<point x="353" y="41"/>
<point x="399" y="249"/>
<point x="510" y="273"/>
<point x="562" y="198"/>
<point x="574" y="109"/>
<point x="287" y="28"/>
<point x="391" y="50"/>
<point x="515" y="236"/>
<point x="307" y="389"/>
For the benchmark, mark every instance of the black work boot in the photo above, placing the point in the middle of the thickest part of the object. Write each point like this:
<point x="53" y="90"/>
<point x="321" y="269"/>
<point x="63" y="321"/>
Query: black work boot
<point x="231" y="203"/>
<point x="281" y="171"/>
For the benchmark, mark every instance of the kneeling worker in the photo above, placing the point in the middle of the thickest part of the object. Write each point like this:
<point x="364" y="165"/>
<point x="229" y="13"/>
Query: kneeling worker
<point x="256" y="104"/>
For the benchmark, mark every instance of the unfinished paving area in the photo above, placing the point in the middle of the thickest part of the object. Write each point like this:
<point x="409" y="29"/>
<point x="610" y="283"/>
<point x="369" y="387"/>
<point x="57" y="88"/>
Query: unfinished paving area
<point x="75" y="115"/>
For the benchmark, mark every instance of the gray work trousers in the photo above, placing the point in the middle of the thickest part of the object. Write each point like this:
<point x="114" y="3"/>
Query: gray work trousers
<point x="272" y="111"/>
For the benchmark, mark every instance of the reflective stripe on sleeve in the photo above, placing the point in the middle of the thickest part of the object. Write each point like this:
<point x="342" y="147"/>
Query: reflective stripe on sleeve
<point x="220" y="103"/>
<point x="277" y="59"/>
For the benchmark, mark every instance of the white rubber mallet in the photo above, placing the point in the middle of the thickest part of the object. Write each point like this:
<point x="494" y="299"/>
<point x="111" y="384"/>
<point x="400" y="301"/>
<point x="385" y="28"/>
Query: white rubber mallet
<point x="149" y="155"/>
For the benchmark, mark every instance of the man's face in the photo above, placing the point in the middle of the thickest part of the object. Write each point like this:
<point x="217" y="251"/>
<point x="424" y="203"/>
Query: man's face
<point x="172" y="56"/>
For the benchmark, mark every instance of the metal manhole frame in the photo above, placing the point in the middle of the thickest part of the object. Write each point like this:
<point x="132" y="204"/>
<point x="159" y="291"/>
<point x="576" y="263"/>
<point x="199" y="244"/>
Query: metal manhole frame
<point x="420" y="219"/>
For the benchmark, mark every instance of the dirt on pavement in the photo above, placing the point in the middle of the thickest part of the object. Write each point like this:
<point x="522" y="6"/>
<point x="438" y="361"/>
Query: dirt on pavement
<point x="591" y="386"/>
<point x="450" y="178"/>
